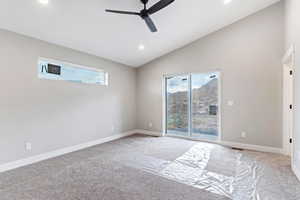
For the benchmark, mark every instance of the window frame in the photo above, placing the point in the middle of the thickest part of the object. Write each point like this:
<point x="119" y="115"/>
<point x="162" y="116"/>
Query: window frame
<point x="220" y="98"/>
<point x="59" y="62"/>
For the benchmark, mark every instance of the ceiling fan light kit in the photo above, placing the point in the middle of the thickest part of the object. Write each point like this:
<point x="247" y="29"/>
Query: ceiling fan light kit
<point x="145" y="13"/>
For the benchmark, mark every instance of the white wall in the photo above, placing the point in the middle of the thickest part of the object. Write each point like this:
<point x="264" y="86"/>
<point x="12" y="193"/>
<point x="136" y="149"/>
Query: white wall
<point x="292" y="10"/>
<point x="57" y="114"/>
<point x="248" y="53"/>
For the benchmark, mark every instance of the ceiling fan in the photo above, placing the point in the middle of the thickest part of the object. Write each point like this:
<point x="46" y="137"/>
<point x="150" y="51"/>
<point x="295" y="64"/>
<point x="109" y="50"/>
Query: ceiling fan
<point x="145" y="13"/>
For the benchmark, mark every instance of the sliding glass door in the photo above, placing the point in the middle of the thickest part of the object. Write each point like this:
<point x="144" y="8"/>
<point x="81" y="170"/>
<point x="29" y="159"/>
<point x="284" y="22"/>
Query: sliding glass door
<point x="192" y="105"/>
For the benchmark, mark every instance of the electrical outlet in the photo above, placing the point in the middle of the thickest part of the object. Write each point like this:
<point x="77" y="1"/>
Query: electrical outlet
<point x="243" y="134"/>
<point x="150" y="124"/>
<point x="113" y="128"/>
<point x="230" y="103"/>
<point x="28" y="146"/>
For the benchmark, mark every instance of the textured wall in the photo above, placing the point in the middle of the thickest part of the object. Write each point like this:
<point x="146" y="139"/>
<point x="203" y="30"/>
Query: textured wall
<point x="248" y="53"/>
<point x="57" y="114"/>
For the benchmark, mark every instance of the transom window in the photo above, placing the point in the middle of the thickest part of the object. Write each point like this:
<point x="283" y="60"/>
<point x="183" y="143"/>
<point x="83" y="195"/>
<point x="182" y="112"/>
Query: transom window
<point x="58" y="70"/>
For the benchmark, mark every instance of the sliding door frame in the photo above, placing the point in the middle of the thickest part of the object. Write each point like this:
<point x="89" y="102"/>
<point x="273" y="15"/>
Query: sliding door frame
<point x="164" y="104"/>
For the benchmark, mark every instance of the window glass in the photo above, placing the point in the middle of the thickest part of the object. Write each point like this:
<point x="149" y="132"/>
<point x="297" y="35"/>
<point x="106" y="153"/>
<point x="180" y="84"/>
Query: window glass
<point x="56" y="70"/>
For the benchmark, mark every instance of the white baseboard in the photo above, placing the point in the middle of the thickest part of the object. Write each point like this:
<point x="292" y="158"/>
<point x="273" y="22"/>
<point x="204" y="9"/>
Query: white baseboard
<point x="52" y="154"/>
<point x="296" y="171"/>
<point x="146" y="132"/>
<point x="253" y="147"/>
<point x="45" y="156"/>
<point x="226" y="143"/>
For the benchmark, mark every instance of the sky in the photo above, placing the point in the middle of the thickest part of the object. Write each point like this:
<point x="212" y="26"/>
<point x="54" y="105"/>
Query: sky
<point x="180" y="83"/>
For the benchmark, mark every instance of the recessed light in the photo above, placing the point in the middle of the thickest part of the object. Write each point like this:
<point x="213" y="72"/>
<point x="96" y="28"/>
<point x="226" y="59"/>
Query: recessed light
<point x="44" y="2"/>
<point x="141" y="47"/>
<point x="227" y="1"/>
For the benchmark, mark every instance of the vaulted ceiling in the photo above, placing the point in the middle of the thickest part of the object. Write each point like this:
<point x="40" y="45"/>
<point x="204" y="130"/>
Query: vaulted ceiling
<point x="83" y="25"/>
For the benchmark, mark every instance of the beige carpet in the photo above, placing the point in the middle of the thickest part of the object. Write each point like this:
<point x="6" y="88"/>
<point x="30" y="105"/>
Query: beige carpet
<point x="149" y="168"/>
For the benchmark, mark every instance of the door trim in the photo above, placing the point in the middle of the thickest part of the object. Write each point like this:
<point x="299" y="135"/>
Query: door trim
<point x="164" y="100"/>
<point x="288" y="62"/>
<point x="288" y="106"/>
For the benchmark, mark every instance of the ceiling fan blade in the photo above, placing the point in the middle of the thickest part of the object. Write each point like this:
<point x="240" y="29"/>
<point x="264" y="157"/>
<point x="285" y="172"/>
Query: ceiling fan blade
<point x="123" y="12"/>
<point x="150" y="24"/>
<point x="159" y="5"/>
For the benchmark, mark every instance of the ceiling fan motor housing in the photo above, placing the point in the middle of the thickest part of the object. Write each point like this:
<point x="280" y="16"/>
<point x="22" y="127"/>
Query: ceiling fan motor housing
<point x="144" y="1"/>
<point x="144" y="13"/>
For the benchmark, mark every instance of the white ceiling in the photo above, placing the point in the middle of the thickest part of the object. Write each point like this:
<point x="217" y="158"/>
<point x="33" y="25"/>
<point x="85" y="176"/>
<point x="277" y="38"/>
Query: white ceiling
<point x="83" y="25"/>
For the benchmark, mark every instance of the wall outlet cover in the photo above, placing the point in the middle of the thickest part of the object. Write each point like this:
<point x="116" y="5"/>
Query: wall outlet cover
<point x="150" y="124"/>
<point x="230" y="103"/>
<point x="243" y="134"/>
<point x="28" y="146"/>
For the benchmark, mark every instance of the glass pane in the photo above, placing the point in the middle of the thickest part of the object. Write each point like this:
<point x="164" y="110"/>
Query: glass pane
<point x="205" y="105"/>
<point x="177" y="105"/>
<point x="55" y="70"/>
